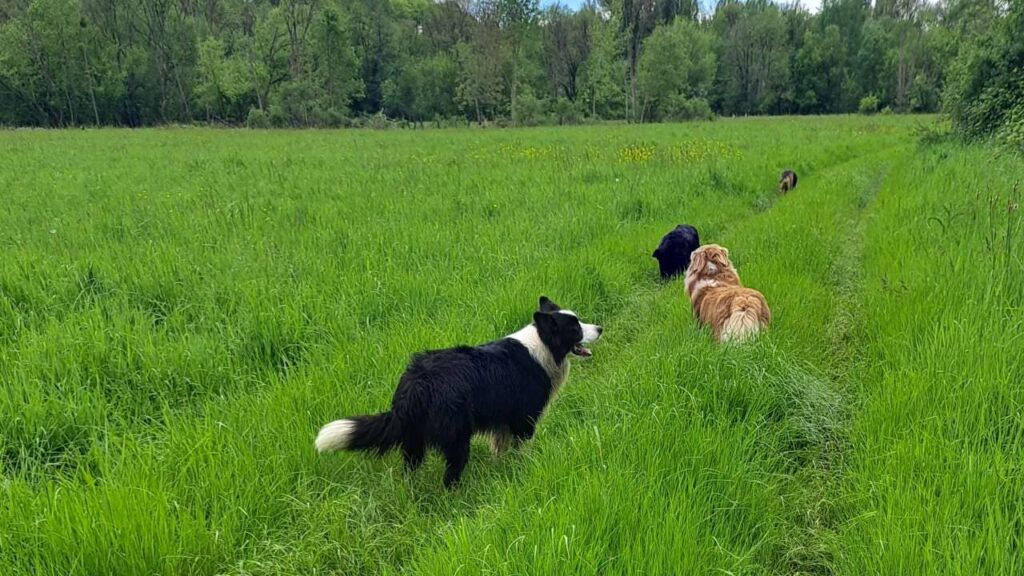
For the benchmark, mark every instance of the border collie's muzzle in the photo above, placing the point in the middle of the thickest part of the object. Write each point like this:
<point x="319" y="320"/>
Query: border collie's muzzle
<point x="591" y="333"/>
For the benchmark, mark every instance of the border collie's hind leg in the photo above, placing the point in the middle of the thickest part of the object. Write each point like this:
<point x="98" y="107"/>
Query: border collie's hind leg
<point x="456" y="453"/>
<point x="413" y="450"/>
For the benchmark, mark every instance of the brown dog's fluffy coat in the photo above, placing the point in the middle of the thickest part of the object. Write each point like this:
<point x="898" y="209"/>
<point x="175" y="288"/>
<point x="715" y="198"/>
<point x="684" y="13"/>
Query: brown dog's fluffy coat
<point x="719" y="299"/>
<point x="787" y="182"/>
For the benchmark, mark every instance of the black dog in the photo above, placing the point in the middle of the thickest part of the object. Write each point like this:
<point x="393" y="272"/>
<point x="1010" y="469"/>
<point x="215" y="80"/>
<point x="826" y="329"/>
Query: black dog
<point x="787" y="182"/>
<point x="445" y="396"/>
<point x="673" y="253"/>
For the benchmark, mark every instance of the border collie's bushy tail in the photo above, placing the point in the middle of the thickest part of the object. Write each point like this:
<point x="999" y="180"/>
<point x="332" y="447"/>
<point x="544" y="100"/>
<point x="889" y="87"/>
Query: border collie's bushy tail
<point x="380" y="432"/>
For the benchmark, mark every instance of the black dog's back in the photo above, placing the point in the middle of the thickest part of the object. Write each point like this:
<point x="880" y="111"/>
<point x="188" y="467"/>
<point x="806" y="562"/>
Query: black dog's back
<point x="673" y="253"/>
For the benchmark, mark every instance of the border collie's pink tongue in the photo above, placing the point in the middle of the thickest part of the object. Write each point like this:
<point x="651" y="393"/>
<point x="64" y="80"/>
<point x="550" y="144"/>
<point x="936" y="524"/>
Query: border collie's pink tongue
<point x="579" y="350"/>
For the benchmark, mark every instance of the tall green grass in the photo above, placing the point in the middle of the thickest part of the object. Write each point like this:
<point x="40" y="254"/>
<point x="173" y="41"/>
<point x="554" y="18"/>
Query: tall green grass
<point x="934" y="483"/>
<point x="181" y="309"/>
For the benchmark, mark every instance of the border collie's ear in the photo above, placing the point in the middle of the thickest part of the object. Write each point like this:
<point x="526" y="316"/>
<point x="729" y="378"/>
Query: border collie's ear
<point x="547" y="305"/>
<point x="656" y="251"/>
<point x="545" y="321"/>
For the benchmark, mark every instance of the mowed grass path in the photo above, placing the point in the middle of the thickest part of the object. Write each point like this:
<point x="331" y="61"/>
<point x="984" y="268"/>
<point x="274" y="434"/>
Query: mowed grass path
<point x="180" y="310"/>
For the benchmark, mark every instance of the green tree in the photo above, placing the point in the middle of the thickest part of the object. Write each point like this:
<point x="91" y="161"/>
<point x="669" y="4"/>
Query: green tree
<point x="315" y="62"/>
<point x="604" y="71"/>
<point x="754" y="60"/>
<point x="985" y="91"/>
<point x="335" y="65"/>
<point x="677" y="66"/>
<point x="516" y="18"/>
<point x="223" y="87"/>
<point x="480" y="79"/>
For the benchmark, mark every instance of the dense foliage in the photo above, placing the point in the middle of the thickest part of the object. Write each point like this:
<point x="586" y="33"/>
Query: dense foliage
<point x="986" y="82"/>
<point x="328" y="62"/>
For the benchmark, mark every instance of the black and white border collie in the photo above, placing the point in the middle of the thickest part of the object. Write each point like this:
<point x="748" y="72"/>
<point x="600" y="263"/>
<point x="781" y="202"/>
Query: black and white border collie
<point x="445" y="396"/>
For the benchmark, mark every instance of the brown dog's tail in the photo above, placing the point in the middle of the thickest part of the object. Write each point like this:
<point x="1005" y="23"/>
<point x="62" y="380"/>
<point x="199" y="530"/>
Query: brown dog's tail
<point x="749" y="314"/>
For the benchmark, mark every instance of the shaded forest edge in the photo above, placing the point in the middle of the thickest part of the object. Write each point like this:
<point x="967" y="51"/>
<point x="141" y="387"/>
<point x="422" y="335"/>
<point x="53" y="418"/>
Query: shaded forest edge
<point x="331" y="63"/>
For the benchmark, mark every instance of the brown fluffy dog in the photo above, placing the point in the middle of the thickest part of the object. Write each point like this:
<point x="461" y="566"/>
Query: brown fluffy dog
<point x="787" y="182"/>
<point x="720" y="300"/>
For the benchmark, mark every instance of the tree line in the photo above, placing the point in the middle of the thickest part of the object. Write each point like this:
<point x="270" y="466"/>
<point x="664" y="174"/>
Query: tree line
<point x="338" y="62"/>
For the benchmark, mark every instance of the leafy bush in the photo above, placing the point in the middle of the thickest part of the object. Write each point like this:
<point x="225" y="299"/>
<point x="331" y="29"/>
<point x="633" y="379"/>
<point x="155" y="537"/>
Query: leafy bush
<point x="378" y="122"/>
<point x="1011" y="133"/>
<point x="985" y="88"/>
<point x="934" y="132"/>
<point x="868" y="104"/>
<point x="257" y="118"/>
<point x="278" y="118"/>
<point x="679" y="107"/>
<point x="566" y="111"/>
<point x="335" y="118"/>
<point x="530" y="110"/>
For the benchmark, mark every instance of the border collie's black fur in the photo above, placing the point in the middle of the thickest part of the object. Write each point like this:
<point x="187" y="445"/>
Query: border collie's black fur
<point x="673" y="253"/>
<point x="445" y="396"/>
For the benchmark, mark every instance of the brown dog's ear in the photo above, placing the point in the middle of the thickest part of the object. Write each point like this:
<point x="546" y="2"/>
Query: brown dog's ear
<point x="698" y="260"/>
<point x="721" y="257"/>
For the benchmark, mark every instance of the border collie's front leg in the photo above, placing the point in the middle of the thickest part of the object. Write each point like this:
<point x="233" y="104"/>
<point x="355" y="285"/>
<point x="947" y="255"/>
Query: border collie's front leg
<point x="523" y="430"/>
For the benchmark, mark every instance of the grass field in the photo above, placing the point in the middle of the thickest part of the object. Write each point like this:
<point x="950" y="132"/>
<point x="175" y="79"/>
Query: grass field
<point x="181" y="309"/>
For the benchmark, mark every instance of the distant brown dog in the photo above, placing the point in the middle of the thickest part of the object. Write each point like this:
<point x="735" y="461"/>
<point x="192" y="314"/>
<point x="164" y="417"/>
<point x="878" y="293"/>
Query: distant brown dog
<point x="719" y="299"/>
<point x="787" y="182"/>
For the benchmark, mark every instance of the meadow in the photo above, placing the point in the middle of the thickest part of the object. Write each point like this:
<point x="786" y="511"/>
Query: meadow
<point x="182" y="309"/>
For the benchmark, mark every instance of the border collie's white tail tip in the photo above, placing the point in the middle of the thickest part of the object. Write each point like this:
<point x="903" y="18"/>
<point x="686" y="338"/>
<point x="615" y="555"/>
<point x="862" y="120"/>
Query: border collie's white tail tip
<point x="335" y="436"/>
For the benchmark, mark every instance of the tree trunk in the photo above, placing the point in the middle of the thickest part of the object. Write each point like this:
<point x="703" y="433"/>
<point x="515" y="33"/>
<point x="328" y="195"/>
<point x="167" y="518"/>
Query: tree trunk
<point x="515" y="80"/>
<point x="67" y="75"/>
<point x="901" y="76"/>
<point x="632" y="84"/>
<point x="515" y="114"/>
<point x="187" y="108"/>
<point x="92" y="84"/>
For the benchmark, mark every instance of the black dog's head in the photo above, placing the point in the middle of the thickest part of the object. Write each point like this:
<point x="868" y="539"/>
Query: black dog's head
<point x="673" y="253"/>
<point x="562" y="332"/>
